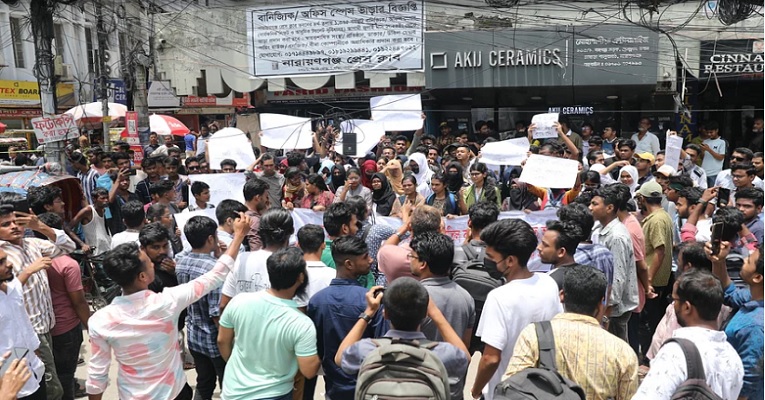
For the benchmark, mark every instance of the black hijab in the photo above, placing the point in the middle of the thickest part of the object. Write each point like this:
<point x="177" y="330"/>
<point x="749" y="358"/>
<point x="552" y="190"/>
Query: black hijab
<point x="454" y="182"/>
<point x="384" y="197"/>
<point x="337" y="181"/>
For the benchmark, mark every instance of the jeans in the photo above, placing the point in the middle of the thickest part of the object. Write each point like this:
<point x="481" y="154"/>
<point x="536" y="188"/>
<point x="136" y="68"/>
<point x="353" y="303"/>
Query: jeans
<point x="310" y="388"/>
<point x="40" y="394"/>
<point x="618" y="325"/>
<point x="45" y="353"/>
<point x="66" y="351"/>
<point x="652" y="314"/>
<point x="186" y="393"/>
<point x="208" y="369"/>
<point x="633" y="329"/>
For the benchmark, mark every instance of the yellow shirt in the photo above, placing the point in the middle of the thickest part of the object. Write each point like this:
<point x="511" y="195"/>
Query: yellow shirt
<point x="601" y="363"/>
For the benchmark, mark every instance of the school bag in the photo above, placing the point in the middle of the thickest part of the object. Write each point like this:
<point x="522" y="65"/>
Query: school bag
<point x="695" y="386"/>
<point x="402" y="369"/>
<point x="475" y="276"/>
<point x="543" y="382"/>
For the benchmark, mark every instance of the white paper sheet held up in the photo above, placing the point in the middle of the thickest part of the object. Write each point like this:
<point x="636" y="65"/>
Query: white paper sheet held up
<point x="182" y="218"/>
<point x="222" y="186"/>
<point x="550" y="172"/>
<point x="544" y="125"/>
<point x="506" y="152"/>
<point x="401" y="112"/>
<point x="672" y="154"/>
<point x="285" y="132"/>
<point x="368" y="134"/>
<point x="231" y="143"/>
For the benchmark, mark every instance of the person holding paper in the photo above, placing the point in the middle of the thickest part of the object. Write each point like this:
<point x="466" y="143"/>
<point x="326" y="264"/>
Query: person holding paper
<point x="353" y="187"/>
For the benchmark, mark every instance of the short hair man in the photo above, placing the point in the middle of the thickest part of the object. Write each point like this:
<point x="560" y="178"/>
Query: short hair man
<point x="430" y="261"/>
<point x="601" y="363"/>
<point x="480" y="215"/>
<point x="691" y="165"/>
<point x="334" y="311"/>
<point x="646" y="141"/>
<point x="558" y="246"/>
<point x="526" y="297"/>
<point x="271" y="334"/>
<point x="93" y="222"/>
<point x="271" y="176"/>
<point x="203" y="315"/>
<point x="228" y="166"/>
<point x="201" y="193"/>
<point x="226" y="213"/>
<point x="310" y="239"/>
<point x="257" y="201"/>
<point x="406" y="305"/>
<point x="134" y="217"/>
<point x="143" y="317"/>
<point x="698" y="297"/>
<point x="339" y="220"/>
<point x="750" y="202"/>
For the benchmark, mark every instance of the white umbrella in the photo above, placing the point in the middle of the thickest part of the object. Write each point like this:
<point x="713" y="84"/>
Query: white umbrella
<point x="166" y="125"/>
<point x="93" y="111"/>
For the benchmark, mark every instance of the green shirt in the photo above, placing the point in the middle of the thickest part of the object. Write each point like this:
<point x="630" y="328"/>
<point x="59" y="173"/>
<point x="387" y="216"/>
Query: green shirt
<point x="326" y="257"/>
<point x="657" y="229"/>
<point x="270" y="334"/>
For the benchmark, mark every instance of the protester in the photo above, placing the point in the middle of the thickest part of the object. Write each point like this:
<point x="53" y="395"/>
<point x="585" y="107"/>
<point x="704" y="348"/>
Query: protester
<point x="317" y="197"/>
<point x="383" y="196"/>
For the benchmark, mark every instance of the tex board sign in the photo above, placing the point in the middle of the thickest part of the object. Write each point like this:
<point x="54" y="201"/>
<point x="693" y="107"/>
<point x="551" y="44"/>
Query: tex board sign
<point x="732" y="59"/>
<point x="340" y="37"/>
<point x="559" y="56"/>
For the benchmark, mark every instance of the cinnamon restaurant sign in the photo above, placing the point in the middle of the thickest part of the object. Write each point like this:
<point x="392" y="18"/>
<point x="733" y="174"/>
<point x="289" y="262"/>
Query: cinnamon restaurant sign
<point x="600" y="55"/>
<point x="732" y="59"/>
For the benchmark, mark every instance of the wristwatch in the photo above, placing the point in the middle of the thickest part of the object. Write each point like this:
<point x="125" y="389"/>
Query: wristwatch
<point x="365" y="317"/>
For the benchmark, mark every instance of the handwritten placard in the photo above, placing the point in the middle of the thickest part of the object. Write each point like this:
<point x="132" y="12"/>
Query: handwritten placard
<point x="506" y="152"/>
<point x="55" y="128"/>
<point x="545" y="128"/>
<point x="550" y="172"/>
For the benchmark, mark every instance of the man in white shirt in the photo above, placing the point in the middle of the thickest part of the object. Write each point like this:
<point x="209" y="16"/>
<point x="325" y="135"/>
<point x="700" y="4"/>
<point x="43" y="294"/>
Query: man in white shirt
<point x="134" y="217"/>
<point x="740" y="155"/>
<point x="311" y="240"/>
<point x="527" y="297"/>
<point x="226" y="213"/>
<point x="715" y="148"/>
<point x="698" y="297"/>
<point x="16" y="330"/>
<point x="645" y="140"/>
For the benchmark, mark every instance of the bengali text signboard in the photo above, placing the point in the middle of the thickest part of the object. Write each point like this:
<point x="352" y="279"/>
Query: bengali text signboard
<point x="55" y="128"/>
<point x="336" y="38"/>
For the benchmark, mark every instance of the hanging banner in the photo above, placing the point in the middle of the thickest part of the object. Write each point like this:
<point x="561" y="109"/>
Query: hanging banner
<point x="130" y="134"/>
<point x="368" y="36"/>
<point x="55" y="128"/>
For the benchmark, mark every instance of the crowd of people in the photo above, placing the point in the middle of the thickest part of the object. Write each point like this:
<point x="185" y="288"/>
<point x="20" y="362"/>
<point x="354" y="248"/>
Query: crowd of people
<point x="641" y="255"/>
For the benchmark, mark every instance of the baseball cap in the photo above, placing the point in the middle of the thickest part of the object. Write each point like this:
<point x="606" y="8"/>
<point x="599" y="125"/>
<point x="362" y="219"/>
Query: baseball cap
<point x="650" y="189"/>
<point x="666" y="170"/>
<point x="443" y="124"/>
<point x="646" y="156"/>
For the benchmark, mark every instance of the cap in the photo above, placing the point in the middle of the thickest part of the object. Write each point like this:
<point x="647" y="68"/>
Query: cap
<point x="646" y="156"/>
<point x="650" y="189"/>
<point x="666" y="170"/>
<point x="443" y="124"/>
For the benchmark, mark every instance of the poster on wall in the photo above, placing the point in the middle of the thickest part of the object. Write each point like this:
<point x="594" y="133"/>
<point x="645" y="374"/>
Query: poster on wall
<point x="341" y="37"/>
<point x="55" y="128"/>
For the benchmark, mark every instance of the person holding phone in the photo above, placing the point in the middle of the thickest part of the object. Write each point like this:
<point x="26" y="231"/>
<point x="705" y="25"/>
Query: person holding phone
<point x="17" y="336"/>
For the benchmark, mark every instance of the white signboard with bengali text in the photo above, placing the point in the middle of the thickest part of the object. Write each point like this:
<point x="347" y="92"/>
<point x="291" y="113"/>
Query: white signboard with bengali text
<point x="340" y="37"/>
<point x="55" y="128"/>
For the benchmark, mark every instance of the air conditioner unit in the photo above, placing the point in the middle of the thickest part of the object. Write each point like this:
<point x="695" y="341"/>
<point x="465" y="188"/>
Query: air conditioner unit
<point x="67" y="72"/>
<point x="58" y="65"/>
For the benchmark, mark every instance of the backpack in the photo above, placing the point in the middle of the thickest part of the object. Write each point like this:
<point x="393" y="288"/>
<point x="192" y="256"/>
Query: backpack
<point x="695" y="387"/>
<point x="543" y="382"/>
<point x="402" y="369"/>
<point x="474" y="276"/>
<point x="451" y="202"/>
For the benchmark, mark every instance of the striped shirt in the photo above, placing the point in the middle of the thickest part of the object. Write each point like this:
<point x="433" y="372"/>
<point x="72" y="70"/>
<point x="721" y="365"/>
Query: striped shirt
<point x="37" y="298"/>
<point x="88" y="181"/>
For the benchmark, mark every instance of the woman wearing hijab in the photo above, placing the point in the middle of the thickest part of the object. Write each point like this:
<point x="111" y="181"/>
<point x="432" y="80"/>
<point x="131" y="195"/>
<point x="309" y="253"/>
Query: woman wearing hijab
<point x="337" y="178"/>
<point x="422" y="173"/>
<point x="383" y="196"/>
<point x="628" y="175"/>
<point x="395" y="175"/>
<point x="325" y="171"/>
<point x="519" y="198"/>
<point x="368" y="168"/>
<point x="453" y="176"/>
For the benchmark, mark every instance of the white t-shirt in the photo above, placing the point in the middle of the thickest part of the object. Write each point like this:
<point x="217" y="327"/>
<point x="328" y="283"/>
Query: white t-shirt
<point x="125" y="237"/>
<point x="509" y="309"/>
<point x="249" y="274"/>
<point x="711" y="166"/>
<point x="319" y="277"/>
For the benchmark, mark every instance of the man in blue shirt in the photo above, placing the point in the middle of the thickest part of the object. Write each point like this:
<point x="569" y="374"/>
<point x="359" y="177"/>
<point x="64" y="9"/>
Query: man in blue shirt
<point x="202" y="317"/>
<point x="749" y="201"/>
<point x="745" y="329"/>
<point x="335" y="309"/>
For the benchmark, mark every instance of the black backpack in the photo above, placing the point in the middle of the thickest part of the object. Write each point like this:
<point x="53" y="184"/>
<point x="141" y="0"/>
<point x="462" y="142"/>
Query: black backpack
<point x="543" y="382"/>
<point x="474" y="275"/>
<point x="695" y="387"/>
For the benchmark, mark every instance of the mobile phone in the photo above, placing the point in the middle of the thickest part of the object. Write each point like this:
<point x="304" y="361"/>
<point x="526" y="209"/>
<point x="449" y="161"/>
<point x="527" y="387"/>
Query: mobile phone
<point x="133" y="172"/>
<point x="723" y="197"/>
<point x="21" y="205"/>
<point x="378" y="292"/>
<point x="18" y="353"/>
<point x="717" y="234"/>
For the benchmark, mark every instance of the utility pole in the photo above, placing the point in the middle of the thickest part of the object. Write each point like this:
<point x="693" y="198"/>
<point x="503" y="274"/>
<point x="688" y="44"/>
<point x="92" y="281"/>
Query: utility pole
<point x="139" y="62"/>
<point x="103" y="79"/>
<point x="42" y="30"/>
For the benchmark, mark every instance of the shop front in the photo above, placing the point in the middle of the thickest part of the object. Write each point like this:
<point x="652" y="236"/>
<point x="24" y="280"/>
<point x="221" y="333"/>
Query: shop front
<point x="20" y="102"/>
<point x="591" y="73"/>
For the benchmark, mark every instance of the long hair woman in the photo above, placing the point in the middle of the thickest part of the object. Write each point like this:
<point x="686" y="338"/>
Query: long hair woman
<point x="318" y="196"/>
<point x="481" y="189"/>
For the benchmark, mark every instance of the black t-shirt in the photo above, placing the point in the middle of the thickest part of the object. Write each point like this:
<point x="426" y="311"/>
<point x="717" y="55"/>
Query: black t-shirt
<point x="559" y="273"/>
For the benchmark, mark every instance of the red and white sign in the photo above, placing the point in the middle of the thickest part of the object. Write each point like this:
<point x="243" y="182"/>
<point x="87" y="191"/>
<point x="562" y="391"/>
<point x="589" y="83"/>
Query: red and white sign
<point x="19" y="112"/>
<point x="55" y="128"/>
<point x="130" y="134"/>
<point x="213" y="101"/>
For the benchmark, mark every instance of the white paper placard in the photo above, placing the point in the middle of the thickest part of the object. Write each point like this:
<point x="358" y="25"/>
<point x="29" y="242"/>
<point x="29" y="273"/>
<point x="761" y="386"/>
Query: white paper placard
<point x="544" y="125"/>
<point x="672" y="151"/>
<point x="506" y="152"/>
<point x="182" y="218"/>
<point x="222" y="186"/>
<point x="285" y="132"/>
<point x="368" y="134"/>
<point x="400" y="112"/>
<point x="55" y="128"/>
<point x="550" y="172"/>
<point x="233" y="144"/>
